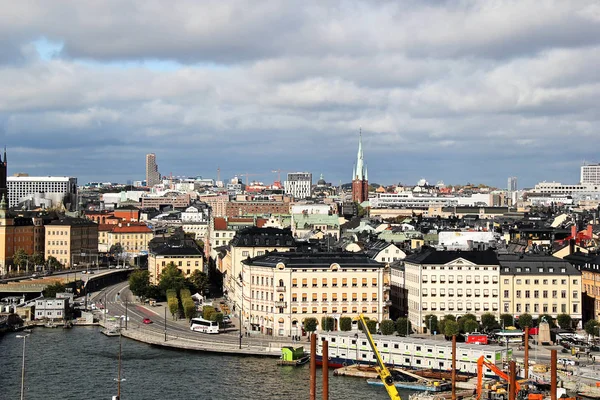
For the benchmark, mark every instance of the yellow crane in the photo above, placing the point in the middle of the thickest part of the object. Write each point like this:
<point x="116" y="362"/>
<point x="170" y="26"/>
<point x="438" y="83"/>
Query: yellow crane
<point x="384" y="373"/>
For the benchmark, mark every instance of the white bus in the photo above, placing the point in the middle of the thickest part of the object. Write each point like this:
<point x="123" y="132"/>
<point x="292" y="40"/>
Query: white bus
<point x="204" y="326"/>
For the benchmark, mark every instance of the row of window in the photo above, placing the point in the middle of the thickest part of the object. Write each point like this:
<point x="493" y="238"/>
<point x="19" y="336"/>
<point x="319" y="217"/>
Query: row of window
<point x="459" y="306"/>
<point x="180" y="263"/>
<point x="459" y="268"/>
<point x="543" y="307"/>
<point x="334" y="282"/>
<point x="459" y="279"/>
<point x="536" y="294"/>
<point x="315" y="310"/>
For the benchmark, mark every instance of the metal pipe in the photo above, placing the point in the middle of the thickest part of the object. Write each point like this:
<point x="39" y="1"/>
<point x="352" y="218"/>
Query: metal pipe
<point x="526" y="376"/>
<point x="325" y="368"/>
<point x="553" y="375"/>
<point x="313" y="367"/>
<point x="126" y="318"/>
<point x="512" y="380"/>
<point x="165" y="323"/>
<point x="453" y="367"/>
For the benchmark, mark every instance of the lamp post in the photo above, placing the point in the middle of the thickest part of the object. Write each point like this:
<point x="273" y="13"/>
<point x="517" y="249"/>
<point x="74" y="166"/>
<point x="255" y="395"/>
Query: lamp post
<point x="24" y="337"/>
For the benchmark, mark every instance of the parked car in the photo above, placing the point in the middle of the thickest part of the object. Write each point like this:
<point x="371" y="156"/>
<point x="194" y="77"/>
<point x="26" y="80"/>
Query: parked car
<point x="566" y="361"/>
<point x="147" y="321"/>
<point x="226" y="319"/>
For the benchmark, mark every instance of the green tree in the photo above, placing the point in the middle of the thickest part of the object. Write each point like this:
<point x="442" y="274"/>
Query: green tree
<point x="431" y="323"/>
<point x="208" y="312"/>
<point x="20" y="258"/>
<point x="470" y="326"/>
<point x="198" y="281"/>
<point x="387" y="327"/>
<point x="218" y="317"/>
<point x="463" y="320"/>
<point x="310" y="324"/>
<point x="372" y="326"/>
<point x="172" y="302"/>
<point x="139" y="283"/>
<point x="189" y="308"/>
<point x="506" y="320"/>
<point x="37" y="258"/>
<point x="171" y="278"/>
<point x="442" y="322"/>
<point x="450" y="328"/>
<point x="525" y="320"/>
<point x="488" y="322"/>
<point x="52" y="289"/>
<point x="116" y="250"/>
<point x="327" y="323"/>
<point x="548" y="318"/>
<point x="591" y="327"/>
<point x="53" y="263"/>
<point x="403" y="326"/>
<point x="345" y="324"/>
<point x="564" y="320"/>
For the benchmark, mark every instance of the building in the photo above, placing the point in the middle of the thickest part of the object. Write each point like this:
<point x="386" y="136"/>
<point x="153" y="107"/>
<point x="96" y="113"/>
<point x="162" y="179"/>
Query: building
<point x="179" y="250"/>
<point x="152" y="174"/>
<point x="53" y="308"/>
<point x="298" y="185"/>
<point x="539" y="284"/>
<point x="451" y="282"/>
<point x="133" y="237"/>
<point x="305" y="225"/>
<point x="72" y="241"/>
<point x="257" y="207"/>
<point x="46" y="191"/>
<point x="217" y="204"/>
<point x="589" y="265"/>
<point x="590" y="174"/>
<point x="168" y="200"/>
<point x="512" y="184"/>
<point x="15" y="233"/>
<point x="360" y="176"/>
<point x="3" y="175"/>
<point x="398" y="292"/>
<point x="280" y="290"/>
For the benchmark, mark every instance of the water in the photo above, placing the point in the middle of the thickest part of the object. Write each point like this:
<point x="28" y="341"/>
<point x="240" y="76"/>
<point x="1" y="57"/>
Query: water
<point x="81" y="363"/>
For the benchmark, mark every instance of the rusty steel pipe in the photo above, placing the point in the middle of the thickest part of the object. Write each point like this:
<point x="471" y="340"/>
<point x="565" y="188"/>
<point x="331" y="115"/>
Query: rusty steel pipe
<point x="453" y="367"/>
<point x="526" y="352"/>
<point x="325" y="368"/>
<point x="313" y="367"/>
<point x="553" y="383"/>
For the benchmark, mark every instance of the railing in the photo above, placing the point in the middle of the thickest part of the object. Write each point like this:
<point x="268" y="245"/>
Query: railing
<point x="280" y="304"/>
<point x="280" y="289"/>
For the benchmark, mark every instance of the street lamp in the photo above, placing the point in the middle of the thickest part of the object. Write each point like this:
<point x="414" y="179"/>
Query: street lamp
<point x="24" y="337"/>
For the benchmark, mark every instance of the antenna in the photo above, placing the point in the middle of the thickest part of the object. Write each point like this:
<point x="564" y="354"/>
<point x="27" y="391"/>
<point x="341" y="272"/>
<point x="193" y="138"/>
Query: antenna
<point x="218" y="174"/>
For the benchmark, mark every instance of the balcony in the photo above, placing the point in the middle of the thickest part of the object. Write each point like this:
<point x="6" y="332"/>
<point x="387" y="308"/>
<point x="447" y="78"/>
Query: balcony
<point x="281" y="304"/>
<point x="280" y="288"/>
<point x="386" y="288"/>
<point x="388" y="303"/>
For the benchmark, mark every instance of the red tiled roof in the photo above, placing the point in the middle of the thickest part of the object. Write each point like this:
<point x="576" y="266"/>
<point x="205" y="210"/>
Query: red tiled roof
<point x="105" y="227"/>
<point x="220" y="224"/>
<point x="260" y="222"/>
<point x="131" y="229"/>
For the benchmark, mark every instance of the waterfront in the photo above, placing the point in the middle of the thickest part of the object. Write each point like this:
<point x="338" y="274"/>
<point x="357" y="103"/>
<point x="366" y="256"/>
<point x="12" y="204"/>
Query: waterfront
<point x="81" y="363"/>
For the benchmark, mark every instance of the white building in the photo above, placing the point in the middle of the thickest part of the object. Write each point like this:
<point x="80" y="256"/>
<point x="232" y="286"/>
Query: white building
<point x="196" y="213"/>
<point x="590" y="174"/>
<point x="410" y="200"/>
<point x="298" y="185"/>
<point x="451" y="282"/>
<point x="323" y="209"/>
<point x="21" y="188"/>
<point x="51" y="308"/>
<point x="460" y="240"/>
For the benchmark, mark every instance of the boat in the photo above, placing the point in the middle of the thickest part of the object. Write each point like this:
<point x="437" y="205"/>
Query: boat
<point x="111" y="331"/>
<point x="68" y="325"/>
<point x="50" y="324"/>
<point x="293" y="356"/>
<point x="422" y="386"/>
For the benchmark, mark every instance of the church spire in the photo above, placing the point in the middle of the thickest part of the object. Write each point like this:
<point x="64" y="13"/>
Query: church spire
<point x="360" y="168"/>
<point x="4" y="155"/>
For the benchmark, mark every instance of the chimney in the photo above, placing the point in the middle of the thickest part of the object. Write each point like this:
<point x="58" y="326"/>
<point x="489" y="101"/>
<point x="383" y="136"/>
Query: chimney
<point x="571" y="246"/>
<point x="589" y="232"/>
<point x="574" y="230"/>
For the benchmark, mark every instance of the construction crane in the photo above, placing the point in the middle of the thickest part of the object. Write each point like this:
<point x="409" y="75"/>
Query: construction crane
<point x="247" y="175"/>
<point x="278" y="172"/>
<point x="482" y="362"/>
<point x="382" y="371"/>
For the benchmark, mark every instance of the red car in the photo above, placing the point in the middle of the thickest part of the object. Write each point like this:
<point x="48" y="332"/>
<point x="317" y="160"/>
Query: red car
<point x="147" y="321"/>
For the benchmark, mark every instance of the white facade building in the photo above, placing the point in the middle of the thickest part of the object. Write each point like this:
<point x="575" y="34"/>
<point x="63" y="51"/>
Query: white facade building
<point x="51" y="308"/>
<point x="590" y="174"/>
<point x="298" y="184"/>
<point x="409" y="200"/>
<point x="21" y="188"/>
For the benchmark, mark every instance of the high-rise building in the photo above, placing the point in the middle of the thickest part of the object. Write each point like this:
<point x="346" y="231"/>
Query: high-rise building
<point x="152" y="174"/>
<point x="512" y="184"/>
<point x="299" y="184"/>
<point x="589" y="174"/>
<point x="3" y="174"/>
<point x="360" y="177"/>
<point x="48" y="191"/>
<point x="512" y="190"/>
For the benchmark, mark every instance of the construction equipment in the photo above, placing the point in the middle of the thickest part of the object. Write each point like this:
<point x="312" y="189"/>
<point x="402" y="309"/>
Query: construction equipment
<point x="382" y="371"/>
<point x="482" y="362"/>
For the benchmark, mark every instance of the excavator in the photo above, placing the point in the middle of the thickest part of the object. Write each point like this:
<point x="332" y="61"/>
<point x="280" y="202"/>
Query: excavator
<point x="382" y="371"/>
<point x="482" y="362"/>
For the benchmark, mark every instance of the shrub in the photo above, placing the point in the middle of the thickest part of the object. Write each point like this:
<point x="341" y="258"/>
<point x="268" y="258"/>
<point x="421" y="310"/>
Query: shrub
<point x="564" y="320"/>
<point x="327" y="323"/>
<point x="403" y="326"/>
<point x="208" y="312"/>
<point x="450" y="328"/>
<point x="525" y="320"/>
<point x="372" y="326"/>
<point x="310" y="324"/>
<point x="431" y="323"/>
<point x="470" y="326"/>
<point x="345" y="324"/>
<point x="387" y="327"/>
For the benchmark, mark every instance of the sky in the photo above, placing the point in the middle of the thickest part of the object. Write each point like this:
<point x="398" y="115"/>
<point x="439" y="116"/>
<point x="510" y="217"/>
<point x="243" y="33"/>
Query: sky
<point x="458" y="91"/>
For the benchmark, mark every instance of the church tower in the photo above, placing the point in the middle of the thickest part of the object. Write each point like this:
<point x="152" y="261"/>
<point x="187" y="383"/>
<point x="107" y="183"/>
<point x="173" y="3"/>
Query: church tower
<point x="3" y="175"/>
<point x="360" y="177"/>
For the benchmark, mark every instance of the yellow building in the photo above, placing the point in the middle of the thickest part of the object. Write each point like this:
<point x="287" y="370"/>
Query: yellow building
<point x="186" y="255"/>
<point x="71" y="241"/>
<point x="133" y="237"/>
<point x="589" y="265"/>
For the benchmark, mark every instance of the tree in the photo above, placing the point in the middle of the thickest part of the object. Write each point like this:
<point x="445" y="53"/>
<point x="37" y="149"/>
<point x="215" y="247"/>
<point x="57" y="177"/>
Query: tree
<point x="345" y="324"/>
<point x="431" y="323"/>
<point x="506" y="320"/>
<point x="548" y="318"/>
<point x="470" y="326"/>
<point x="372" y="326"/>
<point x="463" y="320"/>
<point x="189" y="309"/>
<point x="525" y="320"/>
<point x="564" y="321"/>
<point x="53" y="263"/>
<point x="310" y="324"/>
<point x="208" y="312"/>
<point x="116" y="249"/>
<point x="172" y="302"/>
<point x="450" y="328"/>
<point x="488" y="322"/>
<point x="171" y="278"/>
<point x="387" y="327"/>
<point x="37" y="259"/>
<point x="52" y="289"/>
<point x="591" y="327"/>
<point x="198" y="281"/>
<point x="139" y="283"/>
<point x="218" y="317"/>
<point x="403" y="326"/>
<point x="442" y="322"/>
<point x="20" y="258"/>
<point x="327" y="323"/>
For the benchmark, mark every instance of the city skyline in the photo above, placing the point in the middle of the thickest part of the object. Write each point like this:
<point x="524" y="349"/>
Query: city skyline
<point x="477" y="94"/>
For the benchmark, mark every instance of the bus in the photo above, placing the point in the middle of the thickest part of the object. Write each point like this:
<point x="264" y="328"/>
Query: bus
<point x="204" y="326"/>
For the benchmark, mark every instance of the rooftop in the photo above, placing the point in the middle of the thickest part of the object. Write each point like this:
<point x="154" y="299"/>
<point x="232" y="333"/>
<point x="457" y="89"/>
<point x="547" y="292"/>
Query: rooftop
<point x="314" y="260"/>
<point x="428" y="255"/>
<point x="528" y="264"/>
<point x="263" y="237"/>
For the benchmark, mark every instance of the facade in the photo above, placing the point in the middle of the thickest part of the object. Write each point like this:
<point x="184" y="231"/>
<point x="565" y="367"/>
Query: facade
<point x="199" y="212"/>
<point x="217" y="204"/>
<point x="304" y="225"/>
<point x="259" y="208"/>
<point x="589" y="265"/>
<point x="451" y="282"/>
<point x="512" y="184"/>
<point x="3" y="176"/>
<point x="360" y="176"/>
<point x="152" y="174"/>
<point x="175" y="201"/>
<point x="298" y="185"/>
<point x="15" y="233"/>
<point x="184" y="253"/>
<point x="384" y="252"/>
<point x="71" y="241"/>
<point x="590" y="174"/>
<point x="280" y="290"/>
<point x="52" y="309"/>
<point x="134" y="238"/>
<point x="539" y="284"/>
<point x="398" y="293"/>
<point x="55" y="188"/>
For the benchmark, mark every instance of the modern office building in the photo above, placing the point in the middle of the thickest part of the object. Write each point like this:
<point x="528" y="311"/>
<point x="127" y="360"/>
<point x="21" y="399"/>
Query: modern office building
<point x="49" y="191"/>
<point x="152" y="174"/>
<point x="299" y="185"/>
<point x="589" y="174"/>
<point x="512" y="184"/>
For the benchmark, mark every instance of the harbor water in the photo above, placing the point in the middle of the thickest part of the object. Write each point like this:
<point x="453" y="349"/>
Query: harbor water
<point x="81" y="363"/>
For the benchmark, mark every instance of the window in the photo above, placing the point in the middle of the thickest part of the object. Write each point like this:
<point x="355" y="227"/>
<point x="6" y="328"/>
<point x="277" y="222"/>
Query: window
<point x="334" y="282"/>
<point x="536" y="294"/>
<point x="314" y="297"/>
<point x="506" y="296"/>
<point x="314" y="282"/>
<point x="344" y="296"/>
<point x="324" y="296"/>
<point x="354" y="297"/>
<point x="527" y="281"/>
<point x="304" y="297"/>
<point x="374" y="282"/>
<point x="364" y="282"/>
<point x="295" y="282"/>
<point x="575" y="308"/>
<point x="304" y="282"/>
<point x="563" y="295"/>
<point x="244" y="253"/>
<point x="354" y="282"/>
<point x="554" y="294"/>
<point x="518" y="294"/>
<point x="344" y="282"/>
<point x="545" y="294"/>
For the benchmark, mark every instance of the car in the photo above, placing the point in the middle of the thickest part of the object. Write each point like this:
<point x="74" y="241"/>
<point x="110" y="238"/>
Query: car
<point x="112" y="266"/>
<point x="147" y="321"/>
<point x="84" y="272"/>
<point x="226" y="319"/>
<point x="34" y="276"/>
<point x="566" y="361"/>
